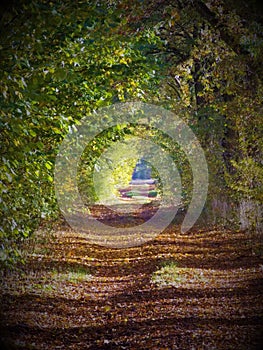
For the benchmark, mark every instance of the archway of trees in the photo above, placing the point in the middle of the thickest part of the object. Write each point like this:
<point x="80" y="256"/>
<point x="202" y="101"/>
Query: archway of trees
<point x="63" y="60"/>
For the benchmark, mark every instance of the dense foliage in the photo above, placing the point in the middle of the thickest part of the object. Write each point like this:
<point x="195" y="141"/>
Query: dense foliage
<point x="214" y="81"/>
<point x="62" y="60"/>
<point x="59" y="62"/>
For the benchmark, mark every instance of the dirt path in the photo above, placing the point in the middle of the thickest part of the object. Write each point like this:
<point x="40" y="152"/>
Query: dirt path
<point x="73" y="295"/>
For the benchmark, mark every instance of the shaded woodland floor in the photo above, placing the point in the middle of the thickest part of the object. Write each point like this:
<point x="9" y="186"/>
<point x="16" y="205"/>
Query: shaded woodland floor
<point x="74" y="295"/>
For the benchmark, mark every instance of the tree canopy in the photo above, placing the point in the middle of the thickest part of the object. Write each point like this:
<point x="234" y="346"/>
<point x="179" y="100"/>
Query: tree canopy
<point x="62" y="60"/>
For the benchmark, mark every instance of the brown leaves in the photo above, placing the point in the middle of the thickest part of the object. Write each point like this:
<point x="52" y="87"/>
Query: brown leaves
<point x="200" y="290"/>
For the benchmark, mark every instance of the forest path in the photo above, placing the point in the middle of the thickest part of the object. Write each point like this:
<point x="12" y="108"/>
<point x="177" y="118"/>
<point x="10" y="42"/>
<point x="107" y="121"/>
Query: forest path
<point x="74" y="295"/>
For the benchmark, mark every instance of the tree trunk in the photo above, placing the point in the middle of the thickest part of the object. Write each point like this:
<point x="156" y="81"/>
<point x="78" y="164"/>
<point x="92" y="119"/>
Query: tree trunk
<point x="250" y="215"/>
